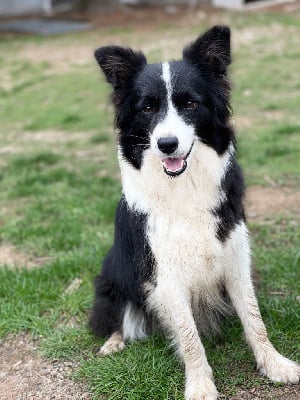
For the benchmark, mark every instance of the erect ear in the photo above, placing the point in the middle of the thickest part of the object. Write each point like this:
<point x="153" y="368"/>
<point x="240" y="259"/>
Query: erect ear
<point x="211" y="49"/>
<point x="119" y="64"/>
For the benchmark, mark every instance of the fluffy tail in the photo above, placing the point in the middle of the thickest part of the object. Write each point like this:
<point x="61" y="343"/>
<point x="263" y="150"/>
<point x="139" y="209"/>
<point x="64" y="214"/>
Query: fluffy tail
<point x="108" y="308"/>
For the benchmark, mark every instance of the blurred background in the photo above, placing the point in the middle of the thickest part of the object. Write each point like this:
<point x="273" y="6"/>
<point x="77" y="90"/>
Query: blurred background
<point x="60" y="185"/>
<point x="21" y="7"/>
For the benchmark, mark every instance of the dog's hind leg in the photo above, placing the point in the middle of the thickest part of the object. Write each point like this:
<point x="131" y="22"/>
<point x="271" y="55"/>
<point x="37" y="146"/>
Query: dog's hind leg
<point x="134" y="327"/>
<point x="240" y="289"/>
<point x="114" y="344"/>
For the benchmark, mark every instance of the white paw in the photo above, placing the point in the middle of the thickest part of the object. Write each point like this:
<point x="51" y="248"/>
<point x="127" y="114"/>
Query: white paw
<point x="279" y="369"/>
<point x="205" y="389"/>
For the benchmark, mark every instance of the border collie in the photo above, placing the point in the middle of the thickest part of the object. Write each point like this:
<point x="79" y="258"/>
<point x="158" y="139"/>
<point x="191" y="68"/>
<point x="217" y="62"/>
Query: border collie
<point x="181" y="254"/>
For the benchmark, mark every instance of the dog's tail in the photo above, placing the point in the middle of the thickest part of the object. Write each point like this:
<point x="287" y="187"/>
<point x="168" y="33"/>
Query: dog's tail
<point x="212" y="311"/>
<point x="108" y="308"/>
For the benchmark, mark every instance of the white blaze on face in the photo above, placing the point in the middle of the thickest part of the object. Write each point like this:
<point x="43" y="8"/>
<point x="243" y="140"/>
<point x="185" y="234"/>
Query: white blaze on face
<point x="172" y="124"/>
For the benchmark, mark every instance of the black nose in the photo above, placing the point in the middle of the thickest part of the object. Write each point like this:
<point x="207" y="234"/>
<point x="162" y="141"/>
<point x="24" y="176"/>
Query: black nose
<point x="167" y="144"/>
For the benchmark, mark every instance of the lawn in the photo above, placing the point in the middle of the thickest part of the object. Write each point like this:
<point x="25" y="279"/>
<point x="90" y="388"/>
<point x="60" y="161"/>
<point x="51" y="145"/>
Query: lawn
<point x="60" y="186"/>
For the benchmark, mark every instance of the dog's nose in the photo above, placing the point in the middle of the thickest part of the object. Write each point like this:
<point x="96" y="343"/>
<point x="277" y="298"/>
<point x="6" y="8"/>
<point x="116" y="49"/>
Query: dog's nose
<point x="168" y="144"/>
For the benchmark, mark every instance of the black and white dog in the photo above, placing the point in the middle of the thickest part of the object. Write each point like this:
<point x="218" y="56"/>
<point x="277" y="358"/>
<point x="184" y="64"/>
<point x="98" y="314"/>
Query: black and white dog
<point x="181" y="252"/>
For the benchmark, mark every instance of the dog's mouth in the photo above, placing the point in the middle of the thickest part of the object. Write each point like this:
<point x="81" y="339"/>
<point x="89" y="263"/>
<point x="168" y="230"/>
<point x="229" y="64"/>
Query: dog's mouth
<point x="175" y="166"/>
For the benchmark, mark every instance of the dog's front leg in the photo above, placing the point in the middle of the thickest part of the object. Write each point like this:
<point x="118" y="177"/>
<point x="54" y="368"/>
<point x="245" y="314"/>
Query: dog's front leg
<point x="240" y="289"/>
<point x="175" y="314"/>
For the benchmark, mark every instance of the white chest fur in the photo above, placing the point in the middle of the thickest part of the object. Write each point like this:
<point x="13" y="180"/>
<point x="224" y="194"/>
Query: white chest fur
<point x="180" y="227"/>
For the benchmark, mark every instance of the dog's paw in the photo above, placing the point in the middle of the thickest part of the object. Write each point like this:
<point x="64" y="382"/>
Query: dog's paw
<point x="205" y="389"/>
<point x="113" y="345"/>
<point x="279" y="369"/>
<point x="111" y="348"/>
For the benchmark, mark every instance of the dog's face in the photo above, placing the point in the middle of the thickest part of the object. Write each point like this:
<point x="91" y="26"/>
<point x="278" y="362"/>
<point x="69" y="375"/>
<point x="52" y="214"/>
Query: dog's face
<point x="167" y="107"/>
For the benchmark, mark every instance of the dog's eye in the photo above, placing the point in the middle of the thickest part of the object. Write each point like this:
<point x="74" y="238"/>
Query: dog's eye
<point x="147" y="109"/>
<point x="190" y="105"/>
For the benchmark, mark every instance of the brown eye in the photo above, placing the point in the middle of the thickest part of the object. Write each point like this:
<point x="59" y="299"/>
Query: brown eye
<point x="190" y="105"/>
<point x="148" y="109"/>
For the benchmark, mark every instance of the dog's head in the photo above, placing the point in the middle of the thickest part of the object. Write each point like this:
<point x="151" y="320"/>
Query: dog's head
<point x="167" y="107"/>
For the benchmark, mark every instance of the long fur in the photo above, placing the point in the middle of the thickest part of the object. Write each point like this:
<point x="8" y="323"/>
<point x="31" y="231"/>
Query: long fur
<point x="181" y="255"/>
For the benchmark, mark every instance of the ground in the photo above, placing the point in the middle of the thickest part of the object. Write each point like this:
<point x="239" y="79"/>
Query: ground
<point x="26" y="375"/>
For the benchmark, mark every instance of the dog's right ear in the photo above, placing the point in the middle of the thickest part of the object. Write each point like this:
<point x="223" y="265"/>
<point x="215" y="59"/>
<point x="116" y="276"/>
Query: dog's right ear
<point x="119" y="64"/>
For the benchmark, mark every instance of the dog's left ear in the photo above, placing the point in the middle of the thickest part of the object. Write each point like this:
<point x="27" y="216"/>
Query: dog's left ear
<point x="212" y="49"/>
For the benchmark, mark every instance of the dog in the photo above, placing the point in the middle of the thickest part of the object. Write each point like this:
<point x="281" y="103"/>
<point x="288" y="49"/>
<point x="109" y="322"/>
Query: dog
<point x="181" y="255"/>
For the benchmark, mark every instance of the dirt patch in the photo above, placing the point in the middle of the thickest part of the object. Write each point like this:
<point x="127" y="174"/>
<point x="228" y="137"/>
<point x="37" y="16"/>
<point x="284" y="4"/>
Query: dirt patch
<point x="14" y="258"/>
<point x="52" y="136"/>
<point x="63" y="57"/>
<point x="287" y="392"/>
<point x="25" y="375"/>
<point x="265" y="202"/>
<point x="10" y="149"/>
<point x="286" y="7"/>
<point x="17" y="142"/>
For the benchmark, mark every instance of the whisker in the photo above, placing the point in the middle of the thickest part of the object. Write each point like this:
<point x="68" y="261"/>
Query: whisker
<point x="138" y="137"/>
<point x="140" y="144"/>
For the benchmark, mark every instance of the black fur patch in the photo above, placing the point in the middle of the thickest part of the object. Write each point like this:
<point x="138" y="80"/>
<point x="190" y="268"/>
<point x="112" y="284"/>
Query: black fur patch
<point x="143" y="107"/>
<point x="231" y="210"/>
<point x="126" y="267"/>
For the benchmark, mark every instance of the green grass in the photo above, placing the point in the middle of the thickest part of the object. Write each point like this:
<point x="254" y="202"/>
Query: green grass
<point x="59" y="190"/>
<point x="65" y="101"/>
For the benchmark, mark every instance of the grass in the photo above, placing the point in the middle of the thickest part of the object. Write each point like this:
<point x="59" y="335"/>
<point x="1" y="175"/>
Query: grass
<point x="60" y="187"/>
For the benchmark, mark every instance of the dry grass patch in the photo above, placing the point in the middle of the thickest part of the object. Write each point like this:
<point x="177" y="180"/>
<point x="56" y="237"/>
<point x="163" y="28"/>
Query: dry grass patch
<point x="262" y="202"/>
<point x="59" y="58"/>
<point x="14" y="258"/>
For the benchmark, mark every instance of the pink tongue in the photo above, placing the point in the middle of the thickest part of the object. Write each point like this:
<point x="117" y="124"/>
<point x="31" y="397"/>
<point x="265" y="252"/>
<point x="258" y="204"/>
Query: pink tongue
<point x="173" y="164"/>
